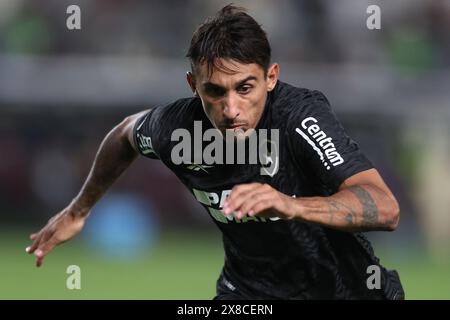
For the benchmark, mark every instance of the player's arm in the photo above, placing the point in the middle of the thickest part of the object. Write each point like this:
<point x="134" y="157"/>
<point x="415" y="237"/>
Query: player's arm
<point x="363" y="203"/>
<point x="116" y="152"/>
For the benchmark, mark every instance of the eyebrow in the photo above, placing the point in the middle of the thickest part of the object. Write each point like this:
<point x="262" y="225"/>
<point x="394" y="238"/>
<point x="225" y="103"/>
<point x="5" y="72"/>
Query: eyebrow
<point x="239" y="83"/>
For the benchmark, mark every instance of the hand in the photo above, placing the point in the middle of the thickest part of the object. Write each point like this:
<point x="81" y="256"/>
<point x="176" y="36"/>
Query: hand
<point x="256" y="199"/>
<point x="62" y="227"/>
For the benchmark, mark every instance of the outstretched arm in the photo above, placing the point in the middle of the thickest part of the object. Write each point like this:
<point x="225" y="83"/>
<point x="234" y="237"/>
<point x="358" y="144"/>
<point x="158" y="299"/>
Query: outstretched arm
<point x="363" y="203"/>
<point x="116" y="152"/>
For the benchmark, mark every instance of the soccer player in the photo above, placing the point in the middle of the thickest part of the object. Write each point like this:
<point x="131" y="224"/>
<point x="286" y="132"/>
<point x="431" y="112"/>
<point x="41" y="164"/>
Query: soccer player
<point x="291" y="232"/>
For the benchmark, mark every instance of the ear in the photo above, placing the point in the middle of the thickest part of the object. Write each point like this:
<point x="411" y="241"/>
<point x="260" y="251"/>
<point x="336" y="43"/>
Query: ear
<point x="272" y="76"/>
<point x="191" y="81"/>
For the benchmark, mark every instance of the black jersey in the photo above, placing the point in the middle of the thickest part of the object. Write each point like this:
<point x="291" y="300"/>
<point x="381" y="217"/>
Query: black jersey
<point x="271" y="257"/>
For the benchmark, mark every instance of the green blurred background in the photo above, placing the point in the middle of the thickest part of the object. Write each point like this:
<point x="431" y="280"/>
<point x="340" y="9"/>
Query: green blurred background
<point x="62" y="90"/>
<point x="184" y="265"/>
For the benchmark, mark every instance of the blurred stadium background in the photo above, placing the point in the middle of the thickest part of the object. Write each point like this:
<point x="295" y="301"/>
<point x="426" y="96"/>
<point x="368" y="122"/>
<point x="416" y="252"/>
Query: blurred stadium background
<point x="61" y="91"/>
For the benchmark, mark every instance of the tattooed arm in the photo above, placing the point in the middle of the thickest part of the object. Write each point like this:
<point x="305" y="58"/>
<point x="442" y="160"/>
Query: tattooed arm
<point x="115" y="154"/>
<point x="363" y="203"/>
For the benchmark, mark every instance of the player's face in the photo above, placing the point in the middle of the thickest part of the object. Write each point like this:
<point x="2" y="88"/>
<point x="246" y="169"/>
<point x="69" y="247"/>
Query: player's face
<point x="233" y="97"/>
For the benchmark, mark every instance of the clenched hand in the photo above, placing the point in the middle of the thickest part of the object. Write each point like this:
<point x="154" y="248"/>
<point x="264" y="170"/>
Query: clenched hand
<point x="256" y="199"/>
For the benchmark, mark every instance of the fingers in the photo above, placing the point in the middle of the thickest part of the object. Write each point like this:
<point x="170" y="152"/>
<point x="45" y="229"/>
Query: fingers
<point x="244" y="197"/>
<point x="43" y="250"/>
<point x="240" y="190"/>
<point x="59" y="229"/>
<point x="260" y="207"/>
<point x="43" y="243"/>
<point x="39" y="258"/>
<point x="237" y="195"/>
<point x="36" y="237"/>
<point x="256" y="203"/>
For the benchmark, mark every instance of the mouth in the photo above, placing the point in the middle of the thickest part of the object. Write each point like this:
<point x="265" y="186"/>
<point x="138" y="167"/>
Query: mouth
<point x="235" y="127"/>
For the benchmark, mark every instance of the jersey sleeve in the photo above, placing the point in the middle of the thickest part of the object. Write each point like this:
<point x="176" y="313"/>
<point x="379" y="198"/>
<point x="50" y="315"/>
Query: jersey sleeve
<point x="320" y="144"/>
<point x="145" y="134"/>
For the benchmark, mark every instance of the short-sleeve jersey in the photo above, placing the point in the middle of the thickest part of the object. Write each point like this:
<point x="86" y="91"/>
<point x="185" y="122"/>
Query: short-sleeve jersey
<point x="271" y="257"/>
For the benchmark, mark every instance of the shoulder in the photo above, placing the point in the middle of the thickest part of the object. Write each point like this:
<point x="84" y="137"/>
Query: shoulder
<point x="293" y="104"/>
<point x="154" y="128"/>
<point x="179" y="112"/>
<point x="296" y="99"/>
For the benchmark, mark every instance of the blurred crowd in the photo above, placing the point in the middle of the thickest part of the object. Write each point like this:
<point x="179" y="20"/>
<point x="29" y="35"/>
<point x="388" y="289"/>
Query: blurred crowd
<point x="415" y="32"/>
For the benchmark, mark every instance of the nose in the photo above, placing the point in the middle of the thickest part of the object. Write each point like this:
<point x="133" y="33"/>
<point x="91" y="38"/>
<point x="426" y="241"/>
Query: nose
<point x="230" y="110"/>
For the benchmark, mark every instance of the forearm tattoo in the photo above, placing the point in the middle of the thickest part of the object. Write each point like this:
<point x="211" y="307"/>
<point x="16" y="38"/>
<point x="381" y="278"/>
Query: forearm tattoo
<point x="369" y="208"/>
<point x="335" y="207"/>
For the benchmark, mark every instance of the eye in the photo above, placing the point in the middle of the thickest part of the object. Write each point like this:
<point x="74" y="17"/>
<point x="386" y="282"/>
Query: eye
<point x="244" y="89"/>
<point x="215" y="91"/>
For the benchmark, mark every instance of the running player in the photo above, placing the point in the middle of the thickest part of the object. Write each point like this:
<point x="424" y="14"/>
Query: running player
<point x="291" y="222"/>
